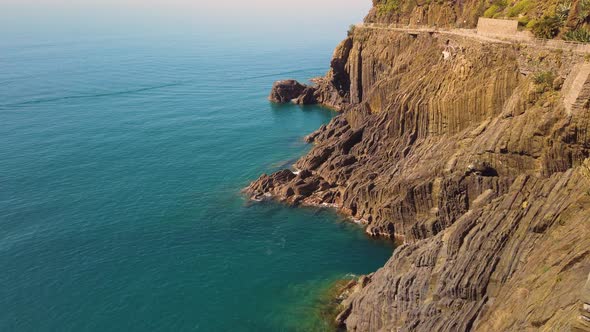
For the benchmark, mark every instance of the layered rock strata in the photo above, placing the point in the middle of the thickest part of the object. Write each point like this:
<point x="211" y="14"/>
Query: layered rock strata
<point x="472" y="161"/>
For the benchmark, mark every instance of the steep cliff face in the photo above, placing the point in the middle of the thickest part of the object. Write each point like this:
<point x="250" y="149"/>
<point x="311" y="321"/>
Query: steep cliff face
<point x="464" y="151"/>
<point x="516" y="264"/>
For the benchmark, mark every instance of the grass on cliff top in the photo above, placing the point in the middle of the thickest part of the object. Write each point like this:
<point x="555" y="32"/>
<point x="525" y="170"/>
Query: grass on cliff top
<point x="503" y="8"/>
<point x="566" y="19"/>
<point x="579" y="35"/>
<point x="388" y="6"/>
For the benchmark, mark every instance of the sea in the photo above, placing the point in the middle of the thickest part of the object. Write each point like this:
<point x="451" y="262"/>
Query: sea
<point x="122" y="160"/>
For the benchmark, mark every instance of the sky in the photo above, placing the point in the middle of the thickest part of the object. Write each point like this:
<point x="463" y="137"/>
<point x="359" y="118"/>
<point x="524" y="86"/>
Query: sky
<point x="108" y="17"/>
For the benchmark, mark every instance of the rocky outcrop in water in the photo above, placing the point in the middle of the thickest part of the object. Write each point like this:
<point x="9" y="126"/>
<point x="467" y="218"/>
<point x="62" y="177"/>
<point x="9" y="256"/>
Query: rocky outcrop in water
<point x="286" y="91"/>
<point x="472" y="161"/>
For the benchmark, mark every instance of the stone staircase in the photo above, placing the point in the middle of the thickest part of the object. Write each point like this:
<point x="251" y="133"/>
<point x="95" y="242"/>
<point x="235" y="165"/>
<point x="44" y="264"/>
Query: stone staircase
<point x="583" y="323"/>
<point x="577" y="88"/>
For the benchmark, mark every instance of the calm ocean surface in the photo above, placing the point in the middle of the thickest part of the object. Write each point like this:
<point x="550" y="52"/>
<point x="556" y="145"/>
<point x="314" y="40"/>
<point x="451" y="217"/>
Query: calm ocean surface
<point x="121" y="164"/>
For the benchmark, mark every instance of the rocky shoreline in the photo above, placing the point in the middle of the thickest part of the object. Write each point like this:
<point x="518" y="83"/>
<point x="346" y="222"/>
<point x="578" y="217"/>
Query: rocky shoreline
<point x="472" y="161"/>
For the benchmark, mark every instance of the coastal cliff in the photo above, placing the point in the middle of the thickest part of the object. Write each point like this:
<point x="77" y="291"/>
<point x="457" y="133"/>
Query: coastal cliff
<point x="465" y="152"/>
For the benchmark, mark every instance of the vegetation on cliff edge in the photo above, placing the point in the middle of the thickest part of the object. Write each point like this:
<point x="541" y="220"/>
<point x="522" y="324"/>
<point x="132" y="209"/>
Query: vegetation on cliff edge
<point x="565" y="19"/>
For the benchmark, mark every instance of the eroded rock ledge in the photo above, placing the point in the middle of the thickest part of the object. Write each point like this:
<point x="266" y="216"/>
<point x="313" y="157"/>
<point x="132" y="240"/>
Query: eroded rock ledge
<point x="473" y="162"/>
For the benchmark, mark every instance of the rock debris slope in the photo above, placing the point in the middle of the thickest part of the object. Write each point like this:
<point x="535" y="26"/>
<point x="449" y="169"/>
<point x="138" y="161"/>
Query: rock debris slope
<point x="472" y="162"/>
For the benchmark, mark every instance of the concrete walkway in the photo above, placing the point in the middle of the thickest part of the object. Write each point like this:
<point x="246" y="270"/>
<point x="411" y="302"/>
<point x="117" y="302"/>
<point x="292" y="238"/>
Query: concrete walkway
<point x="471" y="33"/>
<point x="521" y="38"/>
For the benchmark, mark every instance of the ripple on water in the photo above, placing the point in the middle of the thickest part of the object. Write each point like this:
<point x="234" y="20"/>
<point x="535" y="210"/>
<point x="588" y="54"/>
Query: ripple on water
<point x="120" y="171"/>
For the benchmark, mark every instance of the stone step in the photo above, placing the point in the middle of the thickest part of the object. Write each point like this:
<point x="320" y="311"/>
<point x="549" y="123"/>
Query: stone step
<point x="577" y="88"/>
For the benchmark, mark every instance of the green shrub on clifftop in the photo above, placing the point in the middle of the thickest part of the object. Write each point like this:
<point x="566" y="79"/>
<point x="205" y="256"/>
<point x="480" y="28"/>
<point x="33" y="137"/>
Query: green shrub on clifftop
<point x="524" y="21"/>
<point x="495" y="9"/>
<point x="388" y="6"/>
<point x="544" y="81"/>
<point x="584" y="9"/>
<point x="563" y="10"/>
<point x="580" y="35"/>
<point x="351" y="29"/>
<point x="520" y="7"/>
<point x="547" y="27"/>
<point x="490" y="12"/>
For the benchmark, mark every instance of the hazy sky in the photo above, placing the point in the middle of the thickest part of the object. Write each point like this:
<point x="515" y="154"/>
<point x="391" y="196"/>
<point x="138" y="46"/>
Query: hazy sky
<point x="221" y="16"/>
<point x="252" y="6"/>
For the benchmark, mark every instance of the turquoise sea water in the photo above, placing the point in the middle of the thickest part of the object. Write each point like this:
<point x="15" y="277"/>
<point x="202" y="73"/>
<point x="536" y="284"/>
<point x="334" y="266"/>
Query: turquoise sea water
<point x="121" y="165"/>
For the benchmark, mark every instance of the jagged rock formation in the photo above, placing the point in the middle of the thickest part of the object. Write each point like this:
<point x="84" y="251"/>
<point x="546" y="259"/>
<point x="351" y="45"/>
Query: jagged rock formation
<point x="286" y="91"/>
<point x="516" y="264"/>
<point x="331" y="91"/>
<point x="473" y="162"/>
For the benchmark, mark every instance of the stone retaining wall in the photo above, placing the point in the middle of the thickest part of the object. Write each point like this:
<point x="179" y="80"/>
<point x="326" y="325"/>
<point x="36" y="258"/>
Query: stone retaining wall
<point x="494" y="27"/>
